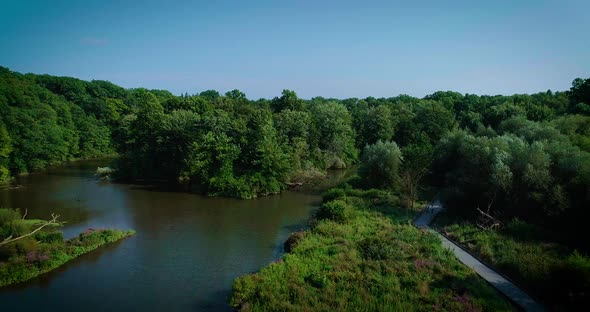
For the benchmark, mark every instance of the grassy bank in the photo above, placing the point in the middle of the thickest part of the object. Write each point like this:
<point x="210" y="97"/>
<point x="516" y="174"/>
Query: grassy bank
<point x="363" y="254"/>
<point x="50" y="252"/>
<point x="557" y="275"/>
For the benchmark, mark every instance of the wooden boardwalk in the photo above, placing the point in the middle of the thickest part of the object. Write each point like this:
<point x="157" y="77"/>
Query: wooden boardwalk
<point x="506" y="287"/>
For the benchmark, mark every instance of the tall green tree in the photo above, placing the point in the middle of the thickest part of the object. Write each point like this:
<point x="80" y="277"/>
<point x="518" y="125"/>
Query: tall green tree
<point x="579" y="96"/>
<point x="270" y="163"/>
<point x="288" y="100"/>
<point x="380" y="165"/>
<point x="293" y="130"/>
<point x="433" y="119"/>
<point x="417" y="158"/>
<point x="333" y="135"/>
<point x="5" y="150"/>
<point x="378" y="125"/>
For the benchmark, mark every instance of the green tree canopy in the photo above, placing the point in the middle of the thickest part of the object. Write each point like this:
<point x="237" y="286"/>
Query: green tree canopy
<point x="380" y="165"/>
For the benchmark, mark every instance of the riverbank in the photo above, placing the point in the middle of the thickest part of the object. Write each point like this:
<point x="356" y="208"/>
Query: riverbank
<point x="51" y="252"/>
<point x="362" y="253"/>
<point x="555" y="274"/>
<point x="190" y="250"/>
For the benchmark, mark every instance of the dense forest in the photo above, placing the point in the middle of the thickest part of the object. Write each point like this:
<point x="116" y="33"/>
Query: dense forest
<point x="525" y="156"/>
<point x="522" y="161"/>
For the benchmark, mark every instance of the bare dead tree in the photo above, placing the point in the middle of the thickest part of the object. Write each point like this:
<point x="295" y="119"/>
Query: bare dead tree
<point x="10" y="239"/>
<point x="487" y="221"/>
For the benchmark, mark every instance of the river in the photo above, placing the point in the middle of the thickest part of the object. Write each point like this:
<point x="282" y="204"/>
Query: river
<point x="187" y="251"/>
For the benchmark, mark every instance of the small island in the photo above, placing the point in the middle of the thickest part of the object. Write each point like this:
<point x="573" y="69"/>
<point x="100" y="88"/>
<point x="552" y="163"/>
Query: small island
<point x="31" y="247"/>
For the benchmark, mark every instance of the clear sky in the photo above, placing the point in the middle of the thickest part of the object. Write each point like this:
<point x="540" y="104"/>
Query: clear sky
<point x="317" y="48"/>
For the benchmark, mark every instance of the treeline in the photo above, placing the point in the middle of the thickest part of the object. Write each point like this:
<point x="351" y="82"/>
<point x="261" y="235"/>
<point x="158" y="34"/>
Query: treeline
<point x="45" y="120"/>
<point x="520" y="156"/>
<point x="528" y="165"/>
<point x="227" y="145"/>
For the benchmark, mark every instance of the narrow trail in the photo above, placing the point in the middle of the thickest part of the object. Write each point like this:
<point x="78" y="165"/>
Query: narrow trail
<point x="513" y="292"/>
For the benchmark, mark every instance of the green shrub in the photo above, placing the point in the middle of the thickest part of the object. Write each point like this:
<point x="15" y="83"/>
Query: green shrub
<point x="376" y="193"/>
<point x="375" y="248"/>
<point x="317" y="280"/>
<point x="355" y="181"/>
<point x="293" y="240"/>
<point x="89" y="238"/>
<point x="4" y="175"/>
<point x="243" y="289"/>
<point x="334" y="193"/>
<point x="335" y="163"/>
<point x="49" y="237"/>
<point x="336" y="210"/>
<point x="8" y="216"/>
<point x="17" y="248"/>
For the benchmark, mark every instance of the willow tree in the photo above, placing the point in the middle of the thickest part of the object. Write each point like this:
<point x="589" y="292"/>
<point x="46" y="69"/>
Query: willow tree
<point x="380" y="164"/>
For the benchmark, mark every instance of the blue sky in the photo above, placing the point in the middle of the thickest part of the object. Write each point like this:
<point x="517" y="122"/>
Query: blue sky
<point x="317" y="48"/>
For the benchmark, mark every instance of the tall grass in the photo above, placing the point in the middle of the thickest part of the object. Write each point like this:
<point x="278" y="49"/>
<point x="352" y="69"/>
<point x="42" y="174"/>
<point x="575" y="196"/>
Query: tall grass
<point x="557" y="275"/>
<point x="364" y="255"/>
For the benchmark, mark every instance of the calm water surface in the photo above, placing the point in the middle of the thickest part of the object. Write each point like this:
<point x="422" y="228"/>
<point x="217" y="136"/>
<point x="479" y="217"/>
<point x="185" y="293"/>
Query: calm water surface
<point x="187" y="251"/>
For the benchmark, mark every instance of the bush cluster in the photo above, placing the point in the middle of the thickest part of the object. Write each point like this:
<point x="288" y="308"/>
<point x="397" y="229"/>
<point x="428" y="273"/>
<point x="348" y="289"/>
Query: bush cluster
<point x="371" y="262"/>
